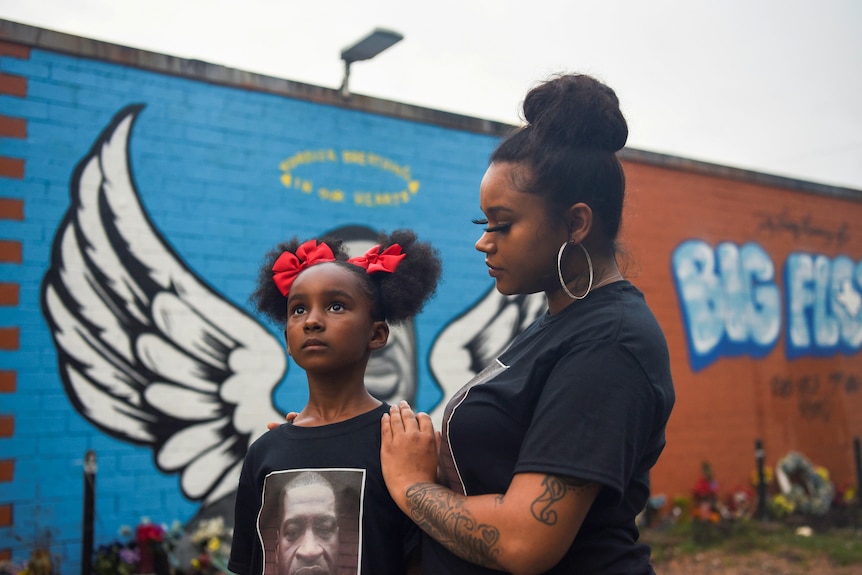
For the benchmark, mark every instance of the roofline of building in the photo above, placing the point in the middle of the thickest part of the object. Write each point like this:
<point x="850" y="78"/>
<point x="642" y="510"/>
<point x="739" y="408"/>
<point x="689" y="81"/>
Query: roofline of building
<point x="737" y="174"/>
<point x="54" y="41"/>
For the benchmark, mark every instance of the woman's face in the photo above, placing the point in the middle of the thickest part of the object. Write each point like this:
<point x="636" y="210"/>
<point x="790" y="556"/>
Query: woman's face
<point x="521" y="239"/>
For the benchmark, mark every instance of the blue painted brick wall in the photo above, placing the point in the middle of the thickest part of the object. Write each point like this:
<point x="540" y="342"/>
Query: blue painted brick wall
<point x="205" y="160"/>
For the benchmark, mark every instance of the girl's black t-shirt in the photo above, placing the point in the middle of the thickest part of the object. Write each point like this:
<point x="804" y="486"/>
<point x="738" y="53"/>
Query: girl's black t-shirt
<point x="374" y="536"/>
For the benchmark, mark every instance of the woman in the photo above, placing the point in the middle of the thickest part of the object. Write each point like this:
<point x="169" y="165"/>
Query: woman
<point x="545" y="455"/>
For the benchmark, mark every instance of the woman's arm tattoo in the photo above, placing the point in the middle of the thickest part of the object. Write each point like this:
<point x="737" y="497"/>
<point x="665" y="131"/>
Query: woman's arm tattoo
<point x="442" y="514"/>
<point x="555" y="490"/>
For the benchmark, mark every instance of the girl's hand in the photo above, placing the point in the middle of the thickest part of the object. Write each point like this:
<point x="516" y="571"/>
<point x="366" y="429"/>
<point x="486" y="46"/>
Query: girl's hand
<point x="289" y="417"/>
<point x="408" y="450"/>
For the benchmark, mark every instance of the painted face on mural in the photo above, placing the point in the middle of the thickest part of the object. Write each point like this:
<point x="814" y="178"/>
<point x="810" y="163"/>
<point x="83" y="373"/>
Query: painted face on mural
<point x="391" y="374"/>
<point x="521" y="240"/>
<point x="329" y="325"/>
<point x="308" y="531"/>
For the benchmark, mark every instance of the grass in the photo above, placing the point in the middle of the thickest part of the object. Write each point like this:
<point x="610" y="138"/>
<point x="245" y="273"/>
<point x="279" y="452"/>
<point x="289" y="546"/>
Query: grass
<point x="840" y="545"/>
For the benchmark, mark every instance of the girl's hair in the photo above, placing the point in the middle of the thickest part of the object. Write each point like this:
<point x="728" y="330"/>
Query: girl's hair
<point x="574" y="127"/>
<point x="395" y="297"/>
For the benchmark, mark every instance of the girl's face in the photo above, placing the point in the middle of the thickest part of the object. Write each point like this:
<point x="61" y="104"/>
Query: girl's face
<point x="521" y="239"/>
<point x="329" y="323"/>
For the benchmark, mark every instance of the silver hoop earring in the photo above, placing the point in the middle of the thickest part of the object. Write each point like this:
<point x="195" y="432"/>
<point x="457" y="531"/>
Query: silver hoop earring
<point x="560" y="271"/>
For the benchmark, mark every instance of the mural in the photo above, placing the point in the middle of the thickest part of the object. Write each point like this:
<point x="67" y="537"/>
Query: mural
<point x="732" y="302"/>
<point x="147" y="351"/>
<point x="152" y="355"/>
<point x="408" y="186"/>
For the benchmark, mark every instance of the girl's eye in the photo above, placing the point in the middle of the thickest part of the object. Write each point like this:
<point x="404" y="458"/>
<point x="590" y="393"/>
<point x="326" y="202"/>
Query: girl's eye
<point x="297" y="310"/>
<point x="337" y="307"/>
<point x="492" y="229"/>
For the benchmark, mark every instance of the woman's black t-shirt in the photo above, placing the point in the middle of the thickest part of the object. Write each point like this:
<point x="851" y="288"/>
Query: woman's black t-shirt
<point x="585" y="393"/>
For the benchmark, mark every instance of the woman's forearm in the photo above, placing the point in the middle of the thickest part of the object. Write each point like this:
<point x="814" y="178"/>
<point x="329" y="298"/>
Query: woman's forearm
<point x="526" y="531"/>
<point x="446" y="517"/>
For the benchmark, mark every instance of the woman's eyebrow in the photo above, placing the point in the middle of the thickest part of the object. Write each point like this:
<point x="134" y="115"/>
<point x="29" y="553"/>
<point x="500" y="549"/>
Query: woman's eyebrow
<point x="496" y="210"/>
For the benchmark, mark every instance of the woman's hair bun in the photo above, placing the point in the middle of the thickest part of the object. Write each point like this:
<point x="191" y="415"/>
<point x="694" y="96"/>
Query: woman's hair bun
<point x="576" y="110"/>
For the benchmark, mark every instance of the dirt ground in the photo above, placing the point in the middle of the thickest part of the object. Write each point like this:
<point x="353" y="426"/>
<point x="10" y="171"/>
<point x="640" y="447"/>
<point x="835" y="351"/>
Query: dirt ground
<point x="716" y="562"/>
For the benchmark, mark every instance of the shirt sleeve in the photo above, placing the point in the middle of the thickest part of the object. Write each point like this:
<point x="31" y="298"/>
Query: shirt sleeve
<point x="593" y="417"/>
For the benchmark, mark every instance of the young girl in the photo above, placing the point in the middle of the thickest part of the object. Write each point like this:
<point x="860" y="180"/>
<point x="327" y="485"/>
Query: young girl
<point x="311" y="496"/>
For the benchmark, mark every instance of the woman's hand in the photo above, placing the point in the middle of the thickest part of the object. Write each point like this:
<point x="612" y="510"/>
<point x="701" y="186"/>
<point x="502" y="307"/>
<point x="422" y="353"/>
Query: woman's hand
<point x="408" y="450"/>
<point x="289" y="417"/>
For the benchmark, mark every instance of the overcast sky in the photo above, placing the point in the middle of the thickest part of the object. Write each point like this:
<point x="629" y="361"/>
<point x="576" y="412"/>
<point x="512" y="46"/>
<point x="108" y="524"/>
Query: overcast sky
<point x="768" y="85"/>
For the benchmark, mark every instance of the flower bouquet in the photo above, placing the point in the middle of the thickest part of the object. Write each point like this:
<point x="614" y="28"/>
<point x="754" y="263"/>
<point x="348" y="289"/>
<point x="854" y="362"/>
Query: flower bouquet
<point x="212" y="539"/>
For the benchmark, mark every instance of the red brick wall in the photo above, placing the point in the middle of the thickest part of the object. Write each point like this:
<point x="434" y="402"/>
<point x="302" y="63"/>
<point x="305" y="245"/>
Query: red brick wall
<point x="10" y="252"/>
<point x="721" y="409"/>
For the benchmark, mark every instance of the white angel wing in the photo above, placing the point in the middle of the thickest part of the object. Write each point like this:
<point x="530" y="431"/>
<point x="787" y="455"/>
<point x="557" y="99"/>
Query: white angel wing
<point x="147" y="351"/>
<point x="474" y="339"/>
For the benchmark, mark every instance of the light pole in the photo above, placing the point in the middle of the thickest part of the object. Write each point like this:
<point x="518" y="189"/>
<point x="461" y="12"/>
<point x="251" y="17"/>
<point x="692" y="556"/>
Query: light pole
<point x="365" y="49"/>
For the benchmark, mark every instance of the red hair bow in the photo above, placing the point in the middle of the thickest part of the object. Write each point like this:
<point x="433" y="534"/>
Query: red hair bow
<point x="288" y="265"/>
<point x="375" y="261"/>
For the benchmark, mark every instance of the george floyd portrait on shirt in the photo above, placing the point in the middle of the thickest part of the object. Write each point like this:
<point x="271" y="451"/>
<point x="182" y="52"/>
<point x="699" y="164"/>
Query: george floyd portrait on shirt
<point x="309" y="521"/>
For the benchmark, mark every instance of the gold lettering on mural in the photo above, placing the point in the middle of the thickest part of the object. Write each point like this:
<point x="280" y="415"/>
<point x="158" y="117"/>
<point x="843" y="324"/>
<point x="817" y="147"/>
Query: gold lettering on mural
<point x="330" y="195"/>
<point x="354" y="158"/>
<point x="388" y="165"/>
<point x="304" y="186"/>
<point x="307" y="157"/>
<point x="372" y="199"/>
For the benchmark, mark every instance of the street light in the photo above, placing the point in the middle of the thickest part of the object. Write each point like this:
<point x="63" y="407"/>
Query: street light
<point x="365" y="49"/>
